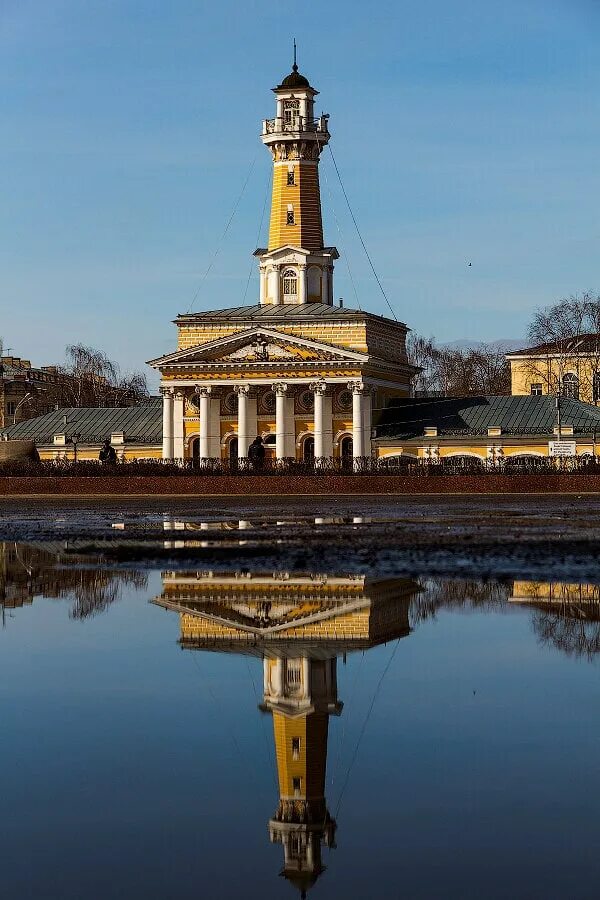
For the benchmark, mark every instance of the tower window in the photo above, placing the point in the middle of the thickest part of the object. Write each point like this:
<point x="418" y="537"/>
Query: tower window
<point x="297" y="786"/>
<point x="536" y="390"/>
<point x="291" y="114"/>
<point x="290" y="283"/>
<point x="289" y="219"/>
<point x="290" y="178"/>
<point x="295" y="748"/>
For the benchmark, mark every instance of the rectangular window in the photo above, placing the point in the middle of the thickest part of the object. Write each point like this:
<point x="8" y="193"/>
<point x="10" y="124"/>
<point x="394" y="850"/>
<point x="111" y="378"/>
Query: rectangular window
<point x="295" y="748"/>
<point x="290" y="178"/>
<point x="11" y="407"/>
<point x="297" y="786"/>
<point x="294" y="674"/>
<point x="290" y="217"/>
<point x="536" y="390"/>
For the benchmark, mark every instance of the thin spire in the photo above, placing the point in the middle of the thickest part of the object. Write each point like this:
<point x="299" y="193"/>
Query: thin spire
<point x="295" y="66"/>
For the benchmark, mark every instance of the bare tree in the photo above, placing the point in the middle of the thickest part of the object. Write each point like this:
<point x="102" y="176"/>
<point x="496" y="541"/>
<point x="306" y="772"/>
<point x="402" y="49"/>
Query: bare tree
<point x="423" y="353"/>
<point x="458" y="372"/>
<point x="90" y="378"/>
<point x="568" y="335"/>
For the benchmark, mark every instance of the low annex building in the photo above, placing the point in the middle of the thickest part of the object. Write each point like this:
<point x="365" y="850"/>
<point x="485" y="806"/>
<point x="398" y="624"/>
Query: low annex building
<point x="306" y="376"/>
<point x="486" y="428"/>
<point x="78" y="433"/>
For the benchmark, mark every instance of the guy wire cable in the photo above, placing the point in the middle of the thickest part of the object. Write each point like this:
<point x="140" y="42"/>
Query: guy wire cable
<point x="224" y="235"/>
<point x="391" y="308"/>
<point x="262" y="218"/>
<point x="346" y="256"/>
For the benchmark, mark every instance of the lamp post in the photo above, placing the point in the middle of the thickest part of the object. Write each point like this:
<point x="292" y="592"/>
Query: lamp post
<point x="75" y="440"/>
<point x="19" y="405"/>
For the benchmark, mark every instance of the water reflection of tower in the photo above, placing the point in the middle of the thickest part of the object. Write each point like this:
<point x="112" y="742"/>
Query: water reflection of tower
<point x="301" y="694"/>
<point x="298" y="625"/>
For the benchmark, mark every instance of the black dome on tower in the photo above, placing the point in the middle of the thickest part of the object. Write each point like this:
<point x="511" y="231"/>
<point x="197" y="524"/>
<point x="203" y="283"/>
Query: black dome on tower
<point x="294" y="80"/>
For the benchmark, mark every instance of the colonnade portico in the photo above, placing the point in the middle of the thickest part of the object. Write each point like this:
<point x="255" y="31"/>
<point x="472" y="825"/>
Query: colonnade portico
<point x="207" y="398"/>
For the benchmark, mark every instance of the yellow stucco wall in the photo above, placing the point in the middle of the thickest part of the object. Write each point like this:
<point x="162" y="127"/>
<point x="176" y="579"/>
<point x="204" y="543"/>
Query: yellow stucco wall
<point x="549" y="371"/>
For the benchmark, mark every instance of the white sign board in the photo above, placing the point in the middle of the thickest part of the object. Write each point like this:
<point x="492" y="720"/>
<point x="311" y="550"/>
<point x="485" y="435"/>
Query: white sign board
<point x="561" y="448"/>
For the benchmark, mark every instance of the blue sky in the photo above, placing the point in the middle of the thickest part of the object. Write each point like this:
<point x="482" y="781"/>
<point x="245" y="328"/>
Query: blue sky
<point x="464" y="131"/>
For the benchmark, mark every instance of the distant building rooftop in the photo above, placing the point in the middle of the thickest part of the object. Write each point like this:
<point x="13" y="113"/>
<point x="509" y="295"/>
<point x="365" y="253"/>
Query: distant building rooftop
<point x="579" y="343"/>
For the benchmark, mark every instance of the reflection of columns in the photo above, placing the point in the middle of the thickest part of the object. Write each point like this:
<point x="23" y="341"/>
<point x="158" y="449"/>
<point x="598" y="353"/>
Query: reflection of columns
<point x="167" y="430"/>
<point x="323" y="420"/>
<point x="242" y="392"/>
<point x="178" y="426"/>
<point x="280" y="389"/>
<point x="203" y="393"/>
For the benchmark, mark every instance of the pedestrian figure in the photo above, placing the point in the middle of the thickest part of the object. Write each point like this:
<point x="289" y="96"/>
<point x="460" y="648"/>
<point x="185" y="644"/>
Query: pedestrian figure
<point x="108" y="454"/>
<point x="256" y="453"/>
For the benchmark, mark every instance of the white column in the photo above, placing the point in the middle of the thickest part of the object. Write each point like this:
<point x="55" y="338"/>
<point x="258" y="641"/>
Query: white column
<point x="302" y="284"/>
<point x="277" y="297"/>
<point x="358" y="449"/>
<point x="203" y="394"/>
<point x="167" y="429"/>
<point x="319" y="388"/>
<point x="178" y="426"/>
<point x="242" y="392"/>
<point x="325" y="285"/>
<point x="306" y="685"/>
<point x="263" y="284"/>
<point x="280" y="389"/>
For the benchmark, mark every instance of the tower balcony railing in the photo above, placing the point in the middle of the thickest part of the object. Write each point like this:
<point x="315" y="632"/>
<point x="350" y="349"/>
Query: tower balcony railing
<point x="298" y="126"/>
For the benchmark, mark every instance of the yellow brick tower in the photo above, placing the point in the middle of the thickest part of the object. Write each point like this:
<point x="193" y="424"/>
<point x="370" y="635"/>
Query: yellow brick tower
<point x="296" y="267"/>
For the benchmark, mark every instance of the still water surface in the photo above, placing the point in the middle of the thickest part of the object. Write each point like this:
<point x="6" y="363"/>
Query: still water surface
<point x="231" y="733"/>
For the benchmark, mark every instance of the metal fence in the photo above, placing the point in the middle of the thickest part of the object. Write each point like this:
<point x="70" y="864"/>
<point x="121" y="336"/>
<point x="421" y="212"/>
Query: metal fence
<point x="584" y="465"/>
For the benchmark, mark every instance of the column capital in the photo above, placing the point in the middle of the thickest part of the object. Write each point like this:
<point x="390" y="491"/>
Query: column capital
<point x="202" y="390"/>
<point x="358" y="387"/>
<point x="167" y="392"/>
<point x="318" y="387"/>
<point x="179" y="394"/>
<point x="279" y="388"/>
<point x="242" y="389"/>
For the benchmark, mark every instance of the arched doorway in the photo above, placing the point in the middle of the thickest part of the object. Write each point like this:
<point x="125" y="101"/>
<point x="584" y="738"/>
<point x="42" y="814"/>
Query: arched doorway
<point x="194" y="450"/>
<point x="346" y="452"/>
<point x="308" y="449"/>
<point x="232" y="452"/>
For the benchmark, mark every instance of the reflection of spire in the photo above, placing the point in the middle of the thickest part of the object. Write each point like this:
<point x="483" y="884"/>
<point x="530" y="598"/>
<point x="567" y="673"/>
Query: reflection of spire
<point x="301" y="693"/>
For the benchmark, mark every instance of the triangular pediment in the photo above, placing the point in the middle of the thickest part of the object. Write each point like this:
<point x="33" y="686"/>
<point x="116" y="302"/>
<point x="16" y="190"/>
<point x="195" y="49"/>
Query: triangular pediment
<point x="254" y="618"/>
<point x="259" y="345"/>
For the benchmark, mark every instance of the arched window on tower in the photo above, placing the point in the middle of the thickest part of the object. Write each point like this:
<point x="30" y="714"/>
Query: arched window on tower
<point x="290" y="284"/>
<point x="570" y="386"/>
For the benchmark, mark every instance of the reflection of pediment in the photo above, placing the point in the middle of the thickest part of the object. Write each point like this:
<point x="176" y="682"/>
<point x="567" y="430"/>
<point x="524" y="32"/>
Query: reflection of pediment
<point x="259" y="345"/>
<point x="279" y="608"/>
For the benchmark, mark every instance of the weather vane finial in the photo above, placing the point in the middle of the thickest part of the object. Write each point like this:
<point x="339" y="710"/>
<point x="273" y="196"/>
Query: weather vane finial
<point x="295" y="66"/>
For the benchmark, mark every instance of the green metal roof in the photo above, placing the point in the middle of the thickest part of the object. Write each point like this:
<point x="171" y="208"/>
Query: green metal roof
<point x="276" y="312"/>
<point x="407" y="418"/>
<point x="141" y="423"/>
